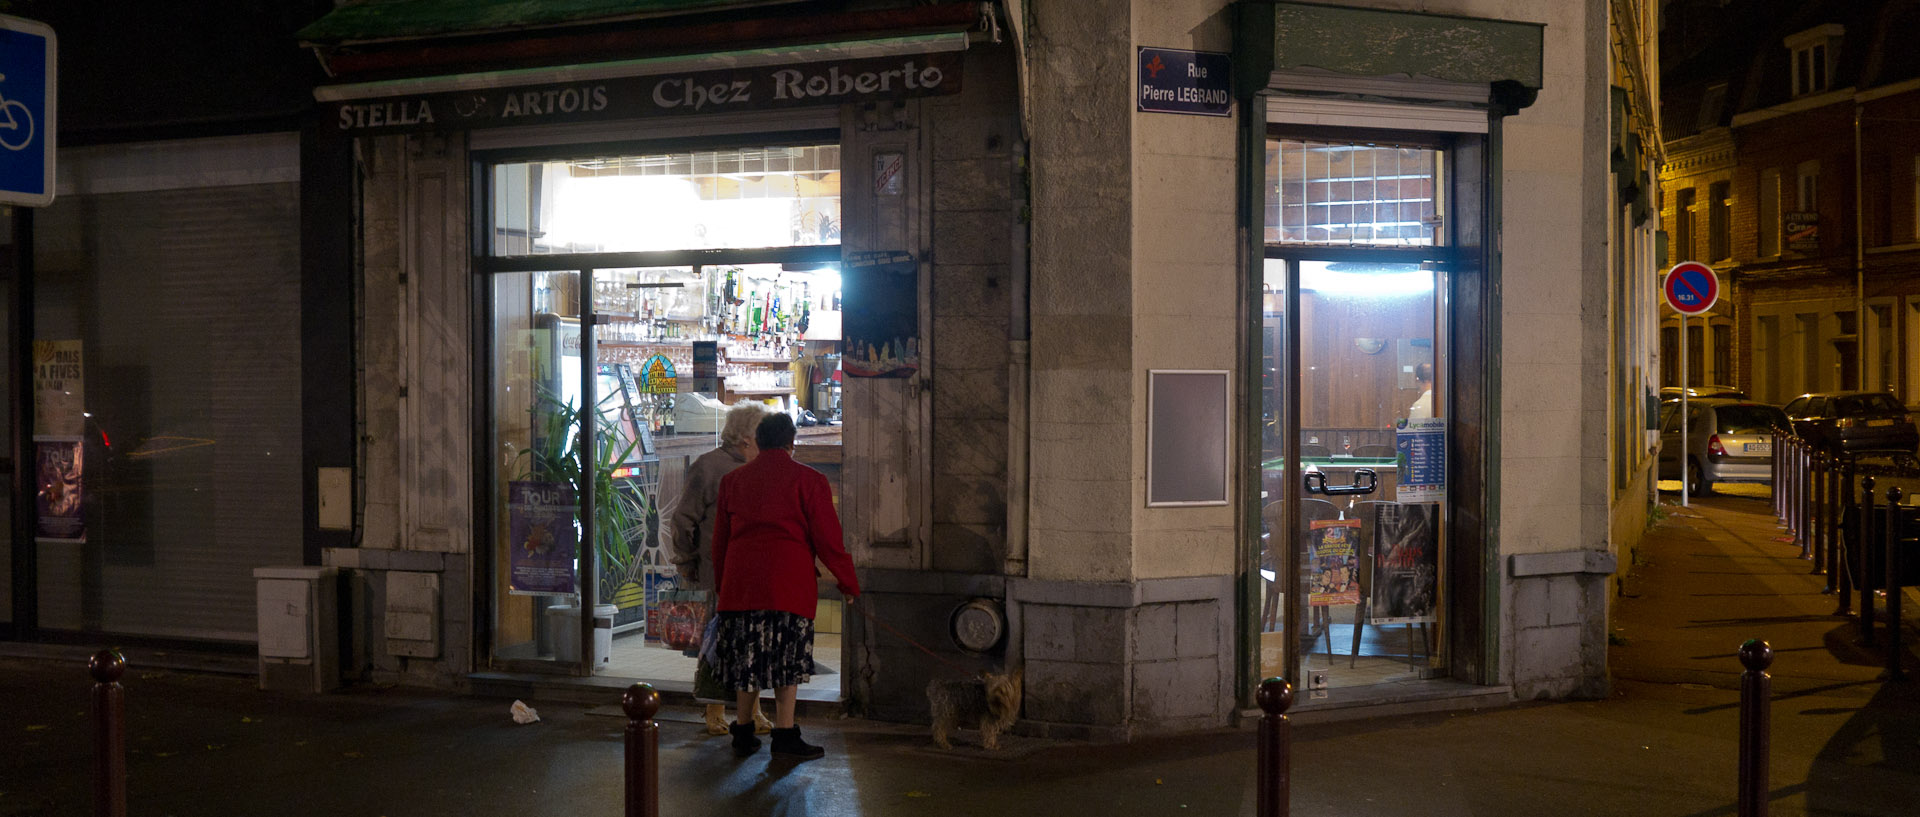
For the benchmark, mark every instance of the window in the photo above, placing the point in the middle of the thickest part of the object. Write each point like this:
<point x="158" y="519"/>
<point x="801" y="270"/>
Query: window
<point x="1813" y="53"/>
<point x="1354" y="193"/>
<point x="1683" y="225"/>
<point x="1722" y="353"/>
<point x="1719" y="221"/>
<point x="1808" y="200"/>
<point x="1916" y="198"/>
<point x="1770" y="213"/>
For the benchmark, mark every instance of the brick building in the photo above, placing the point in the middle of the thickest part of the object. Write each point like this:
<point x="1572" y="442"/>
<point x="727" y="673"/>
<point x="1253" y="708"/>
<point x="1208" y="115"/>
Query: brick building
<point x="1792" y="171"/>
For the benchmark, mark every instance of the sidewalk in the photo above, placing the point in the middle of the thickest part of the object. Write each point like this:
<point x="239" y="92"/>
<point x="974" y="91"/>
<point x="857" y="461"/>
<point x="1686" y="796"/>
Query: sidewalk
<point x="1663" y="744"/>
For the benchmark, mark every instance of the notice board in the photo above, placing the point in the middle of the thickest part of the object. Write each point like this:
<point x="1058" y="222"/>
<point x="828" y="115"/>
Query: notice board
<point x="1187" y="441"/>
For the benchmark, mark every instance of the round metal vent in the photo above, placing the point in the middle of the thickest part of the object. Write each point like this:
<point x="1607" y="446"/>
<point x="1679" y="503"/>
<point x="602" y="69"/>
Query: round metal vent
<point x="979" y="625"/>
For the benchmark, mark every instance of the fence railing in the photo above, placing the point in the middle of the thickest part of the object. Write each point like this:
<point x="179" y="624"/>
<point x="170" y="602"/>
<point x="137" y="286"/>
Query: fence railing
<point x="1860" y="545"/>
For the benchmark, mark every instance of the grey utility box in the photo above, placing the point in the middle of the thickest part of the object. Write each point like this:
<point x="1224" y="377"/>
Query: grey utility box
<point x="299" y="628"/>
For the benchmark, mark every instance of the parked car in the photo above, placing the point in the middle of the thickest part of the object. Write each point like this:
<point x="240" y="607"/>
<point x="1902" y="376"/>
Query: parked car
<point x="1697" y="392"/>
<point x="1853" y="422"/>
<point x="1727" y="441"/>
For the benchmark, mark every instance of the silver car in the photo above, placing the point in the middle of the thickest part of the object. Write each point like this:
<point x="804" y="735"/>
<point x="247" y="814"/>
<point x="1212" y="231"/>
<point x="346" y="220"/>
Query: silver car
<point x="1727" y="441"/>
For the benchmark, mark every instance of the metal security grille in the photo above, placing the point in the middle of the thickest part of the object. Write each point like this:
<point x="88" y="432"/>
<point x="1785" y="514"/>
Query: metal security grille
<point x="187" y="306"/>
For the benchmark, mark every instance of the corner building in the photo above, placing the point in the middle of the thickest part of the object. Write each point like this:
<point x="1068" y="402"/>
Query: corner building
<point x="1156" y="348"/>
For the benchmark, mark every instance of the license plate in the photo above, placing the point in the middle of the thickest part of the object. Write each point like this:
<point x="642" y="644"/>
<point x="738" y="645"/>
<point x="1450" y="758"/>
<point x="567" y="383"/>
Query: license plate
<point x="1760" y="448"/>
<point x="1879" y="422"/>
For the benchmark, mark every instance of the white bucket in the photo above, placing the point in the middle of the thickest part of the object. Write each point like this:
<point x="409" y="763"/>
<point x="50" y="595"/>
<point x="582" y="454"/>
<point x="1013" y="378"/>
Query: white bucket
<point x="563" y="632"/>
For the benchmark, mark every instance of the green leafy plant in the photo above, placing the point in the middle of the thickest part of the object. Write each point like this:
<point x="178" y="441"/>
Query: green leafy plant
<point x="620" y="518"/>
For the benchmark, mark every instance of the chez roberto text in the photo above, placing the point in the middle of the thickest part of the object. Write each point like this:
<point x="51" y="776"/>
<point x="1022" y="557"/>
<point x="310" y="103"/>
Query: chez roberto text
<point x="692" y="93"/>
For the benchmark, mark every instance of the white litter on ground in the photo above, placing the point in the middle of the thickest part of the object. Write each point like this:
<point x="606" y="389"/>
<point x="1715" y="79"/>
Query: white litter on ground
<point x="523" y="713"/>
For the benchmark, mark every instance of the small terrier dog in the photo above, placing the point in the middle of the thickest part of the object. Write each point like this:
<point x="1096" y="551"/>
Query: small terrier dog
<point x="990" y="701"/>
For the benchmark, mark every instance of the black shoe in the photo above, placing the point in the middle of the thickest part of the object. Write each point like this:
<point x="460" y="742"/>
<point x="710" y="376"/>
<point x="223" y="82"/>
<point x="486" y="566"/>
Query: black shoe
<point x="744" y="743"/>
<point x="787" y="742"/>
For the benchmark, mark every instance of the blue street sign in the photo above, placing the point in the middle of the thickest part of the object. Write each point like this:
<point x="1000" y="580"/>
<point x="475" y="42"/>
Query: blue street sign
<point x="1194" y="82"/>
<point x="27" y="65"/>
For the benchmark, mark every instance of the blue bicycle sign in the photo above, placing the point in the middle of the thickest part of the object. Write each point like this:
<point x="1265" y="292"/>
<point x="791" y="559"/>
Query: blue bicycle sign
<point x="27" y="62"/>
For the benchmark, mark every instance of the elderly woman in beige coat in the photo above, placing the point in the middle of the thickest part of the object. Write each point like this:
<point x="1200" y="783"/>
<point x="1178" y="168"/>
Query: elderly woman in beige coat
<point x="690" y="543"/>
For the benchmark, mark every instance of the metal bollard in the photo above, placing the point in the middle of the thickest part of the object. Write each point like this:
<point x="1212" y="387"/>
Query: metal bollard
<point x="1271" y="781"/>
<point x="1817" y="511"/>
<point x="1756" y="702"/>
<point x="1870" y="532"/>
<point x="109" y="734"/>
<point x="1839" y="496"/>
<point x="643" y="750"/>
<point x="1894" y="591"/>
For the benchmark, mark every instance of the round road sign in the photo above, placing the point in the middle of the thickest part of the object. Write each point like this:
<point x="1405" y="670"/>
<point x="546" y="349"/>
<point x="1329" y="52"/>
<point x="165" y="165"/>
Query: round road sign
<point x="1691" y="288"/>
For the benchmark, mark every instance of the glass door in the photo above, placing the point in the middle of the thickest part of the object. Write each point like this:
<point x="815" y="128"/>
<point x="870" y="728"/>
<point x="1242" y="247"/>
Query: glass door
<point x="1353" y="328"/>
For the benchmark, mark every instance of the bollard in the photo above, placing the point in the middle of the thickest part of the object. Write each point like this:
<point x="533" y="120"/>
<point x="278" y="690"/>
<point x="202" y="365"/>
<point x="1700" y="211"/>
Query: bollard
<point x="1798" y="481"/>
<point x="1870" y="532"/>
<point x="643" y="750"/>
<point x="1816" y="510"/>
<point x="1271" y="781"/>
<point x="109" y="734"/>
<point x="1756" y="701"/>
<point x="1841" y="498"/>
<point x="1894" y="672"/>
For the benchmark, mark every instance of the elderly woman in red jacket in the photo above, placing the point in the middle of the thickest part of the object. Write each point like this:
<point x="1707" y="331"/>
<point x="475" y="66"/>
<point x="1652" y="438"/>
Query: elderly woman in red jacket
<point x="774" y="516"/>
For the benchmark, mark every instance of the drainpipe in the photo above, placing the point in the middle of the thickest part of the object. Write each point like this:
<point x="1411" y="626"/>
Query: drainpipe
<point x="1018" y="369"/>
<point x="1859" y="257"/>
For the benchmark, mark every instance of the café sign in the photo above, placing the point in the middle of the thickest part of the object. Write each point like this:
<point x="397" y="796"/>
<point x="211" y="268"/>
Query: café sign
<point x="723" y="90"/>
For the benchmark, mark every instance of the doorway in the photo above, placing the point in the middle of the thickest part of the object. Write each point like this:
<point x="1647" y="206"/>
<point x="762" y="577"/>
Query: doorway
<point x="1354" y="417"/>
<point x="632" y="298"/>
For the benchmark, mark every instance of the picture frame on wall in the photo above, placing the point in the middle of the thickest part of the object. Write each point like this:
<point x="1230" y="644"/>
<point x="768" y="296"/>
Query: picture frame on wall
<point x="1188" y="437"/>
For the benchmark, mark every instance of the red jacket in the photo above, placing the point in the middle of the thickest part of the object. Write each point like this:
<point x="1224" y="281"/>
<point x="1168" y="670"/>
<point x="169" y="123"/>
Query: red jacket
<point x="772" y="518"/>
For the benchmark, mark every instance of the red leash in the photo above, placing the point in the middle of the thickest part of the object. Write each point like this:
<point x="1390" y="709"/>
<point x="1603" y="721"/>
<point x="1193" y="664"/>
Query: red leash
<point x="862" y="610"/>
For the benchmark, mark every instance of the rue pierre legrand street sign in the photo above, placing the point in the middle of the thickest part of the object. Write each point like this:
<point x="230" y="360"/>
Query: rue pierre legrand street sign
<point x="1190" y="82"/>
<point x="27" y="66"/>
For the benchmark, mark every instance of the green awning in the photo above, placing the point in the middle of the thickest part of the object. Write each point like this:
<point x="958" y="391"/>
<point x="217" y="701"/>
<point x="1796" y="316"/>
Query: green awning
<point x="1282" y="36"/>
<point x="371" y="20"/>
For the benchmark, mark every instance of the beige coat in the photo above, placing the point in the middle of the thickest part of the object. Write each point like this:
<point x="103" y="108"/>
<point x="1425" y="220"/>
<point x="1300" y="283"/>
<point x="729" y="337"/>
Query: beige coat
<point x="690" y="523"/>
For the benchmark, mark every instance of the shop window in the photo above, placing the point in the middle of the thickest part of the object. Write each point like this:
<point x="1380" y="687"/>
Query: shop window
<point x="1719" y="221"/>
<point x="735" y="198"/>
<point x="1354" y="194"/>
<point x="1770" y="213"/>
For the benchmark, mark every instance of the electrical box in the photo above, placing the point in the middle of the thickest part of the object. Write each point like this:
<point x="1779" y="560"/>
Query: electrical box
<point x="413" y="614"/>
<point x="298" y="615"/>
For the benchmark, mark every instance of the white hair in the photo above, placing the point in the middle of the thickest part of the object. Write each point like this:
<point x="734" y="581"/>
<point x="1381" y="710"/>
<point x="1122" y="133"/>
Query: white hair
<point x="740" y="424"/>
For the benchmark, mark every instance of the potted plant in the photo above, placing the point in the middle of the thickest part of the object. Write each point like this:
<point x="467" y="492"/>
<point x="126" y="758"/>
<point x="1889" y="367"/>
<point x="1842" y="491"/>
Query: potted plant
<point x="621" y="518"/>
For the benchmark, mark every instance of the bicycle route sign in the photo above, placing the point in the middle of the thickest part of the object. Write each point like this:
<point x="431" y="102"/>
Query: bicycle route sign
<point x="1691" y="287"/>
<point x="27" y="66"/>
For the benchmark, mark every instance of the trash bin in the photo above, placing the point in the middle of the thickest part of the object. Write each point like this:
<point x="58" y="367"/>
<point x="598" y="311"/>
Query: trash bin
<point x="563" y="632"/>
<point x="297" y="612"/>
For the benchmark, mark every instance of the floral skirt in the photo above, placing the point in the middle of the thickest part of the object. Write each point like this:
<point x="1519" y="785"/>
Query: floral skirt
<point x="764" y="649"/>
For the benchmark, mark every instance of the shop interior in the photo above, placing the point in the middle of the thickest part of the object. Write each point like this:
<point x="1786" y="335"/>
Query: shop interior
<point x="674" y="347"/>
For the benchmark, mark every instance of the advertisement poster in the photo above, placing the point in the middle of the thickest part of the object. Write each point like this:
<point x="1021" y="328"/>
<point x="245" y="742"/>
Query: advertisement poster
<point x="661" y="584"/>
<point x="1333" y="566"/>
<point x="59" y="506"/>
<point x="540" y="547"/>
<point x="1420" y="445"/>
<point x="882" y="317"/>
<point x="1406" y="563"/>
<point x="59" y="399"/>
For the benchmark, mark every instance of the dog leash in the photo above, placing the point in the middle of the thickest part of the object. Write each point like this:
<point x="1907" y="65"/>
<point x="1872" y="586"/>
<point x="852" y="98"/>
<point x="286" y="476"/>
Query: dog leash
<point x="862" y="610"/>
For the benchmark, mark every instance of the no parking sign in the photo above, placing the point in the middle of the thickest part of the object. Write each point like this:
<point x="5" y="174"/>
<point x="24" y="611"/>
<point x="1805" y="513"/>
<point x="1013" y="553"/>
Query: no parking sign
<point x="1691" y="287"/>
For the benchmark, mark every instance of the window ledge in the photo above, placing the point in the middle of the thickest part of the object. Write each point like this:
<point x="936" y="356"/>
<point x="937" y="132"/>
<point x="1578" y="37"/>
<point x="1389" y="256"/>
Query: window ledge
<point x="1894" y="248"/>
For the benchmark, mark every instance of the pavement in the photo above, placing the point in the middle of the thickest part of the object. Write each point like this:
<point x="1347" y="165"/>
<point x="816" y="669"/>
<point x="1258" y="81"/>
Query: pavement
<point x="1844" y="741"/>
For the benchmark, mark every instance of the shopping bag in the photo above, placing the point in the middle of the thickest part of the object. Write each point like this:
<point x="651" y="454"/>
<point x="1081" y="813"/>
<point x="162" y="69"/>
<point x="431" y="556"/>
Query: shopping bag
<point x="684" y="615"/>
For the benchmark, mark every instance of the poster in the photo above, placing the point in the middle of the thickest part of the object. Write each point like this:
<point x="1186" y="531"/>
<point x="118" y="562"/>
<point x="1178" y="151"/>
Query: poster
<point x="59" y="505"/>
<point x="882" y="314"/>
<point x="59" y="396"/>
<point x="541" y="538"/>
<point x="1406" y="563"/>
<point x="1333" y="563"/>
<point x="1420" y="446"/>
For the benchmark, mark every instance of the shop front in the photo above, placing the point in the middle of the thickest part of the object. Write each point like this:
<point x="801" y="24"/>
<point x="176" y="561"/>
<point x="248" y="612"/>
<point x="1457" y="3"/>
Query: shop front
<point x="605" y="257"/>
